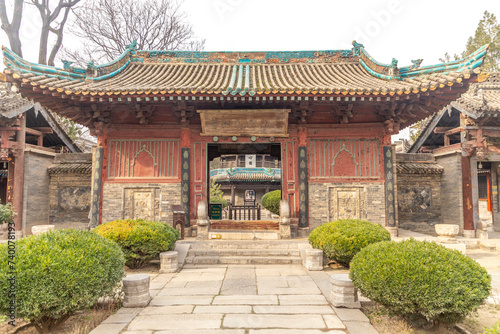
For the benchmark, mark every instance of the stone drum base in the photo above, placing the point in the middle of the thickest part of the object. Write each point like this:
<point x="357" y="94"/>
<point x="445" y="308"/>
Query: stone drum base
<point x="136" y="290"/>
<point x="169" y="262"/>
<point x="344" y="294"/>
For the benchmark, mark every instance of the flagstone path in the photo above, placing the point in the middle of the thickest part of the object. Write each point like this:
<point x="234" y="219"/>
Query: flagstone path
<point x="238" y="299"/>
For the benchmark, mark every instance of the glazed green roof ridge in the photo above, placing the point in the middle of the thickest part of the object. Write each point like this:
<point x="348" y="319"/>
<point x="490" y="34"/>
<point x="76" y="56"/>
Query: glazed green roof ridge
<point x="303" y="72"/>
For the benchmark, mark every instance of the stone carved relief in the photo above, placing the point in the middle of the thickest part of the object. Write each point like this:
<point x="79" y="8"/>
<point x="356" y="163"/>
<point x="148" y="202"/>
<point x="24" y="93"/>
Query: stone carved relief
<point x="414" y="199"/>
<point x="346" y="203"/>
<point x="141" y="203"/>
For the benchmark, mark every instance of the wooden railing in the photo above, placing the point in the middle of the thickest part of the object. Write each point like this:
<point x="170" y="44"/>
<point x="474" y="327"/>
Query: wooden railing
<point x="239" y="212"/>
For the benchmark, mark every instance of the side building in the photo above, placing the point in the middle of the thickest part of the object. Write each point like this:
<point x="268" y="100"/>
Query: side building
<point x="31" y="137"/>
<point x="464" y="138"/>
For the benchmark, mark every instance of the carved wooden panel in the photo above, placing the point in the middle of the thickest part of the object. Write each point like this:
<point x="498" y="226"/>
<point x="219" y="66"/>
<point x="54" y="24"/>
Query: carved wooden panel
<point x="143" y="158"/>
<point x="346" y="203"/>
<point x="252" y="122"/>
<point x="344" y="158"/>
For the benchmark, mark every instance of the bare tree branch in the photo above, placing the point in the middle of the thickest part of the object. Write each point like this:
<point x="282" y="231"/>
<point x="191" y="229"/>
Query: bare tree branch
<point x="108" y="26"/>
<point x="12" y="28"/>
<point x="49" y="17"/>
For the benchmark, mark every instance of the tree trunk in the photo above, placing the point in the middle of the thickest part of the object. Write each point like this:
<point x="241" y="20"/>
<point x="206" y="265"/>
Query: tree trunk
<point x="15" y="42"/>
<point x="44" y="38"/>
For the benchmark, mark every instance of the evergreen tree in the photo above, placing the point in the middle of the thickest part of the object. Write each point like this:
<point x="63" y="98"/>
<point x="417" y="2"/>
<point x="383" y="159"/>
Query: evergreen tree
<point x="487" y="32"/>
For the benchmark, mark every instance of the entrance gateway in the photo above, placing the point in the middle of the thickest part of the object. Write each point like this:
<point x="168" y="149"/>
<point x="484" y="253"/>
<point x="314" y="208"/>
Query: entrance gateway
<point x="157" y="113"/>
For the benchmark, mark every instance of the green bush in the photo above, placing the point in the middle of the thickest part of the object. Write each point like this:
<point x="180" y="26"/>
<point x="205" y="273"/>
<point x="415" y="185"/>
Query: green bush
<point x="493" y="330"/>
<point x="140" y="240"/>
<point x="58" y="273"/>
<point x="418" y="279"/>
<point x="7" y="213"/>
<point x="342" y="239"/>
<point x="271" y="201"/>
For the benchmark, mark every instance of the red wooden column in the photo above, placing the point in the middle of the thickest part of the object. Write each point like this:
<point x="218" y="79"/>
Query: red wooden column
<point x="19" y="173"/>
<point x="467" y="194"/>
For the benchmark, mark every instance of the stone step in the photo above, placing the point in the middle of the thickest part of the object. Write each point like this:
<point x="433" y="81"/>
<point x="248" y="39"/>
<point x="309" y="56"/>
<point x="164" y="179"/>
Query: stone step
<point x="243" y="252"/>
<point x="243" y="260"/>
<point x="246" y="244"/>
<point x="243" y="235"/>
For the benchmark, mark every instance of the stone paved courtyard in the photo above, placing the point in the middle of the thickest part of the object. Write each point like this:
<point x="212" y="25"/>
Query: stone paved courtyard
<point x="242" y="299"/>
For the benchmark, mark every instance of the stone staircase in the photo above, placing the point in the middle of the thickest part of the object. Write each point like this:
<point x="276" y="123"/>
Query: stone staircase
<point x="245" y="252"/>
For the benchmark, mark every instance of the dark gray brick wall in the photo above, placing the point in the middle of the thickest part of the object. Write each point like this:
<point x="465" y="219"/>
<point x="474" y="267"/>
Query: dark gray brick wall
<point x="36" y="190"/>
<point x="113" y="201"/>
<point x="374" y="205"/>
<point x="419" y="201"/>
<point x="451" y="189"/>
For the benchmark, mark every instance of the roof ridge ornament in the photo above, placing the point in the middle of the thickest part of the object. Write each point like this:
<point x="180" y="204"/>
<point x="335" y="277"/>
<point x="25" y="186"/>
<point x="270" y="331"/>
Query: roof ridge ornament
<point x="416" y="63"/>
<point x="357" y="48"/>
<point x="132" y="46"/>
<point x="91" y="69"/>
<point x="67" y="64"/>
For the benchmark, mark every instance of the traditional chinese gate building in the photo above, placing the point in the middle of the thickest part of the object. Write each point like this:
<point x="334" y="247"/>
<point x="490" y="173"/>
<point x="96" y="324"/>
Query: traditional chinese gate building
<point x="157" y="113"/>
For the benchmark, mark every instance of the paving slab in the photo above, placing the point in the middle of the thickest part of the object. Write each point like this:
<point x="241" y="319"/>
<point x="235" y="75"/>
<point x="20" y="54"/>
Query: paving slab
<point x="295" y="321"/>
<point x="108" y="329"/>
<point x="176" y="321"/>
<point x="181" y="300"/>
<point x="294" y="309"/>
<point x="119" y="318"/>
<point x="246" y="300"/>
<point x="170" y="309"/>
<point x="294" y="331"/>
<point x="202" y="331"/>
<point x="346" y="314"/>
<point x="360" y="327"/>
<point x="302" y="300"/>
<point x="333" y="322"/>
<point x="226" y="309"/>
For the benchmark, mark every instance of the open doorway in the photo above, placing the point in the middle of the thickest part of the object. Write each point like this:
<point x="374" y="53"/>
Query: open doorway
<point x="241" y="174"/>
<point x="484" y="192"/>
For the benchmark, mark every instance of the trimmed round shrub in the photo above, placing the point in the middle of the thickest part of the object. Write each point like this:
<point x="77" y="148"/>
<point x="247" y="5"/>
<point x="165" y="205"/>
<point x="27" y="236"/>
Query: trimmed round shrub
<point x="271" y="201"/>
<point x="58" y="273"/>
<point x="419" y="279"/>
<point x="140" y="240"/>
<point x="342" y="239"/>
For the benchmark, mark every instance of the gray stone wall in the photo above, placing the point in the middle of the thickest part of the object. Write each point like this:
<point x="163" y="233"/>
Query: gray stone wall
<point x="419" y="201"/>
<point x="368" y="197"/>
<point x="451" y="189"/>
<point x="69" y="190"/>
<point x="36" y="189"/>
<point x="139" y="200"/>
<point x="70" y="200"/>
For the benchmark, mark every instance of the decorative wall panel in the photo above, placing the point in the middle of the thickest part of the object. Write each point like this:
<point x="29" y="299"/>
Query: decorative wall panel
<point x="344" y="158"/>
<point x="143" y="158"/>
<point x="346" y="203"/>
<point x="141" y="203"/>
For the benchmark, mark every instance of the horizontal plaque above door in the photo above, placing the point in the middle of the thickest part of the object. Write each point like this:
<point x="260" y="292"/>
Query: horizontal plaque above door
<point x="247" y="122"/>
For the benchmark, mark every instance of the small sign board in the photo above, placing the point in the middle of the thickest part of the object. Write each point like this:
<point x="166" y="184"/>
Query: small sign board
<point x="249" y="195"/>
<point x="215" y="211"/>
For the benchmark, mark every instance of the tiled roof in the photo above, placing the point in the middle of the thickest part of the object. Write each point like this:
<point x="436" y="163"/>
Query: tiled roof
<point x="482" y="99"/>
<point x="11" y="103"/>
<point x="243" y="174"/>
<point x="418" y="168"/>
<point x="332" y="72"/>
<point x="71" y="168"/>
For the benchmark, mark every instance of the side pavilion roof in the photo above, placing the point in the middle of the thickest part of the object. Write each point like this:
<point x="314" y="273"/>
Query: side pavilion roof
<point x="333" y="72"/>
